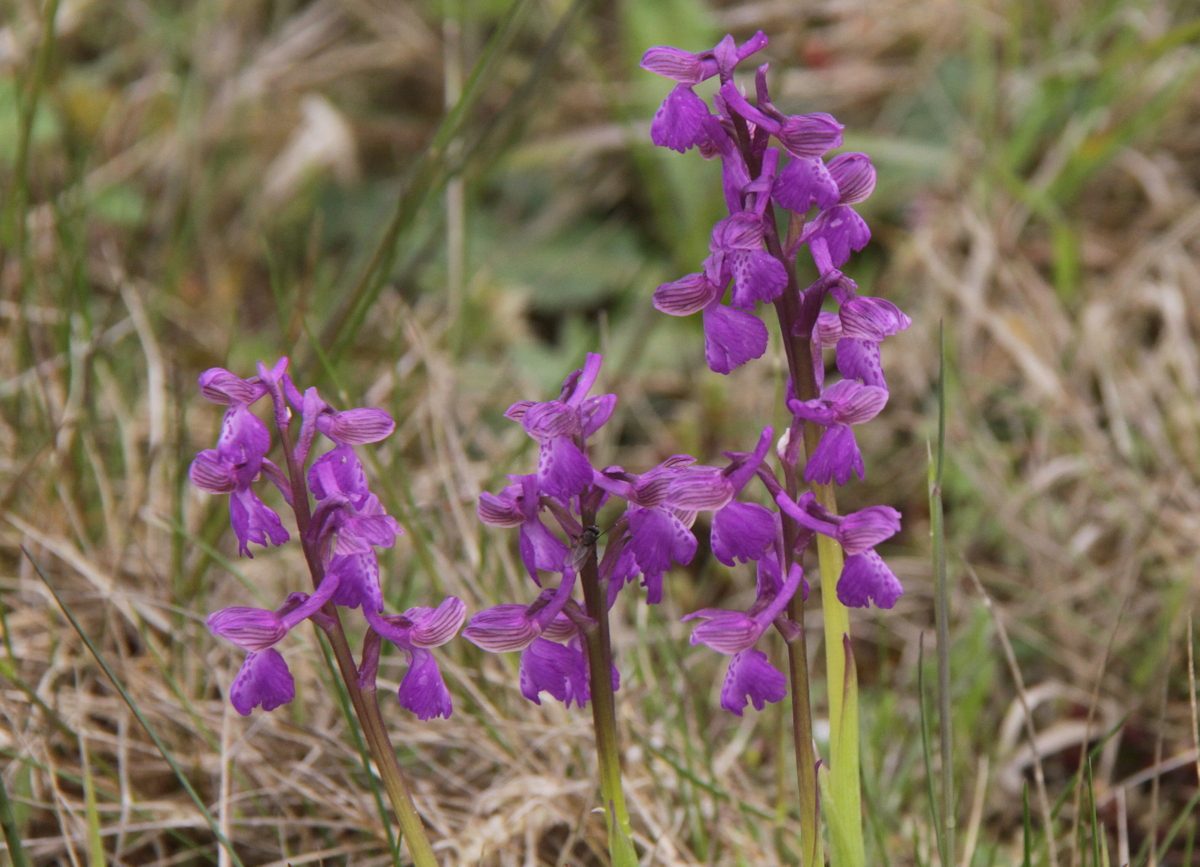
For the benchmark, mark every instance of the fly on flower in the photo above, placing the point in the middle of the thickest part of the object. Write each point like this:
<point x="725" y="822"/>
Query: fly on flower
<point x="584" y="545"/>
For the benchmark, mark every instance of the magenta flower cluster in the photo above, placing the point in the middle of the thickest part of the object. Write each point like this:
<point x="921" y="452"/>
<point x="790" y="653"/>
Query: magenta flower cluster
<point x="775" y="165"/>
<point x="340" y="529"/>
<point x="653" y="531"/>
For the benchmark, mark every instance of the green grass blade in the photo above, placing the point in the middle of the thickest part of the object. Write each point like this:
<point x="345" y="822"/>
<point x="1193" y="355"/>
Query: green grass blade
<point x="95" y="841"/>
<point x="137" y="713"/>
<point x="425" y="179"/>
<point x="12" y="834"/>
<point x="927" y="752"/>
<point x="1027" y="823"/>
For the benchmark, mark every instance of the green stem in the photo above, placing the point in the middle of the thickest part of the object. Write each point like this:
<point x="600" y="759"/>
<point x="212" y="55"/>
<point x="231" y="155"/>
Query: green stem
<point x="604" y="709"/>
<point x="802" y="735"/>
<point x="844" y="784"/>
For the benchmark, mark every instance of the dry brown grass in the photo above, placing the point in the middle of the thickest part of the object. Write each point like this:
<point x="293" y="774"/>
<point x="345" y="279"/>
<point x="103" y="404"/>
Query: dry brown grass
<point x="1073" y="435"/>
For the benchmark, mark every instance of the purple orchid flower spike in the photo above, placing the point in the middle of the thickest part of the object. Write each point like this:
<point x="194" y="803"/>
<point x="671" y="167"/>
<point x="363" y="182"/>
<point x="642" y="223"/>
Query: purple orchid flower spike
<point x="841" y="405"/>
<point x="751" y="678"/>
<point x="422" y="689"/>
<point x="264" y="678"/>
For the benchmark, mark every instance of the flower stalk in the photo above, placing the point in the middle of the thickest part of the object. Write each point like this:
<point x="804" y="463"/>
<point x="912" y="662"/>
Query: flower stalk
<point x="770" y="162"/>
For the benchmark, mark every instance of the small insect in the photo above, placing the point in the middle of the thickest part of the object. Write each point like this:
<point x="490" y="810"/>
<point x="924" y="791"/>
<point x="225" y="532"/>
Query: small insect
<point x="584" y="545"/>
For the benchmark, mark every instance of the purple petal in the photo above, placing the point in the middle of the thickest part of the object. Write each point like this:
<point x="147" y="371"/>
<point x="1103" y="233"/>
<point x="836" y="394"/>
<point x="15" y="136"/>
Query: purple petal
<point x="595" y="411"/>
<point x="499" y="511"/>
<point x="740" y="231"/>
<point x="855" y="403"/>
<point x="685" y="296"/>
<point x="829" y="329"/>
<point x="810" y="135"/>
<point x="541" y="549"/>
<point x="859" y="359"/>
<point x="835" y="457"/>
<point x="263" y="679"/>
<point x="338" y="471"/>
<point x="579" y="383"/>
<point x="867" y="527"/>
<point x="358" y="581"/>
<point x="625" y="570"/>
<point x="727" y="632"/>
<point x="517" y="411"/>
<point x="550" y="419"/>
<point x="501" y="629"/>
<point x="757" y="276"/>
<point x="359" y="532"/>
<point x="679" y="122"/>
<point x="804" y="183"/>
<point x="675" y="64"/>
<point x="751" y="678"/>
<point x="656" y="537"/>
<point x="732" y="337"/>
<point x="864" y="578"/>
<point x="854" y="176"/>
<point x="868" y="318"/>
<point x="356" y="426"/>
<point x="254" y="521"/>
<point x="741" y="532"/>
<point x="213" y="472"/>
<point x="433" y="627"/>
<point x="422" y="690"/>
<point x="563" y="470"/>
<point x="560" y="670"/>
<point x="842" y="229"/>
<point x="699" y="489"/>
<point x="244" y="440"/>
<point x="220" y="386"/>
<point x="251" y="629"/>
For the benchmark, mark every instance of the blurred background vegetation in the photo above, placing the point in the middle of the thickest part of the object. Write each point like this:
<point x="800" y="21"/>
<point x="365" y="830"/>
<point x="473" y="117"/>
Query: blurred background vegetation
<point x="437" y="208"/>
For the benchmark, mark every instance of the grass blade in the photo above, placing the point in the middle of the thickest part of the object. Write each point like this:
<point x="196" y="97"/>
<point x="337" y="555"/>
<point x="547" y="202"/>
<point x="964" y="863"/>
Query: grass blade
<point x="137" y="713"/>
<point x="927" y="752"/>
<point x="941" y="607"/>
<point x="12" y="834"/>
